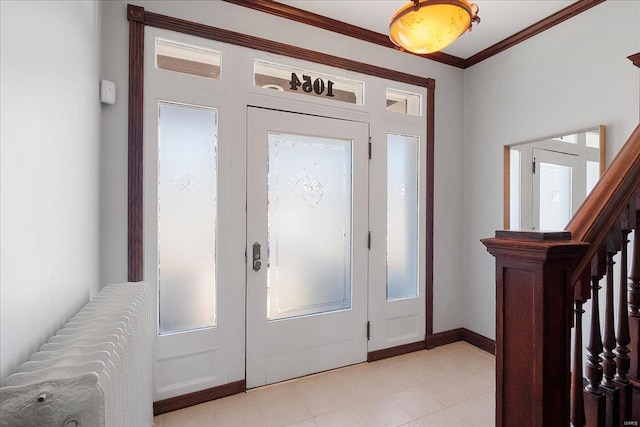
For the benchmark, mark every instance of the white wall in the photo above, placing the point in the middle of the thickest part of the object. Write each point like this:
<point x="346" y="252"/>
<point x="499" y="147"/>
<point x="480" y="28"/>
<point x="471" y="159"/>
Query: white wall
<point x="449" y="134"/>
<point x="50" y="114"/>
<point x="573" y="76"/>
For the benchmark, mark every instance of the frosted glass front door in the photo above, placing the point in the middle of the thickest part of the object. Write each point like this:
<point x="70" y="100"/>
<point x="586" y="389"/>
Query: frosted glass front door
<point x="556" y="195"/>
<point x="309" y="225"/>
<point x="307" y="222"/>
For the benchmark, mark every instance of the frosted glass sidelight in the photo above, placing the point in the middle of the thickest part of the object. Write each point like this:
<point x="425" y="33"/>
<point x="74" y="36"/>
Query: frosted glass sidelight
<point x="402" y="216"/>
<point x="187" y="199"/>
<point x="309" y="225"/>
<point x="593" y="175"/>
<point x="515" y="189"/>
<point x="555" y="196"/>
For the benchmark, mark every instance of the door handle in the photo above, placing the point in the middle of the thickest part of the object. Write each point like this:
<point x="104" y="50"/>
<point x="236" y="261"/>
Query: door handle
<point x="257" y="262"/>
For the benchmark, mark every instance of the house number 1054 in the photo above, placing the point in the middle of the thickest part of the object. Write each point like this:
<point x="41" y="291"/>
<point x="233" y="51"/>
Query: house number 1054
<point x="317" y="86"/>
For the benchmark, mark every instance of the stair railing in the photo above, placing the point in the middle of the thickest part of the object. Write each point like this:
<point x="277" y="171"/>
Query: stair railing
<point x="543" y="281"/>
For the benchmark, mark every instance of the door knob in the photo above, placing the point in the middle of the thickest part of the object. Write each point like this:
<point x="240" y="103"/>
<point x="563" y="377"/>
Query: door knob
<point x="257" y="262"/>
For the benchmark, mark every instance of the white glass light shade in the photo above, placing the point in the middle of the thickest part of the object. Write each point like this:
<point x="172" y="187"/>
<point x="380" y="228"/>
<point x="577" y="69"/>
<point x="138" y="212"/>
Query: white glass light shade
<point x="432" y="25"/>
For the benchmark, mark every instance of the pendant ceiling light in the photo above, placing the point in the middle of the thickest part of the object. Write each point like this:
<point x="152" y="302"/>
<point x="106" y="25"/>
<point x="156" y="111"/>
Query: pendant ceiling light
<point x="427" y="26"/>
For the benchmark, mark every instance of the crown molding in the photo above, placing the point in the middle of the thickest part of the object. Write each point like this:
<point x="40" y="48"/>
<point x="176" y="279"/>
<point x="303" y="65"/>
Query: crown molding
<point x="329" y="24"/>
<point x="535" y="29"/>
<point x="319" y="21"/>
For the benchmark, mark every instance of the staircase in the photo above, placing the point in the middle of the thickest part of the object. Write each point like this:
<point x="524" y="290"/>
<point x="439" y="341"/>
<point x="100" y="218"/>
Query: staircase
<point x="547" y="374"/>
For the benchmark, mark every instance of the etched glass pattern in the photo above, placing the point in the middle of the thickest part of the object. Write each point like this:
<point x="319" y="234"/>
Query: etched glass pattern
<point x="402" y="216"/>
<point x="309" y="225"/>
<point x="310" y="184"/>
<point x="187" y="199"/>
<point x="555" y="196"/>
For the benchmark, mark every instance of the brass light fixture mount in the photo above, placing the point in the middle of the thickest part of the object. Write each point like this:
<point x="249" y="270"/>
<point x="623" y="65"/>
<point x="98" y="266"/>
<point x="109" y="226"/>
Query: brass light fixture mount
<point x="427" y="26"/>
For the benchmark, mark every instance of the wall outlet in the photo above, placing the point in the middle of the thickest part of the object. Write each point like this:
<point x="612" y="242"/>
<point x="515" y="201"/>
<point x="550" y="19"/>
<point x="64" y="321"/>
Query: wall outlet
<point x="107" y="92"/>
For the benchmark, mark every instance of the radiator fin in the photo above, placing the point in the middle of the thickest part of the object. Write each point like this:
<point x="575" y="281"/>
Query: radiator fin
<point x="95" y="371"/>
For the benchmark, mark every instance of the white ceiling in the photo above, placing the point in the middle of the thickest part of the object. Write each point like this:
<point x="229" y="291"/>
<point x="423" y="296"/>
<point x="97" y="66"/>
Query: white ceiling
<point x="500" y="18"/>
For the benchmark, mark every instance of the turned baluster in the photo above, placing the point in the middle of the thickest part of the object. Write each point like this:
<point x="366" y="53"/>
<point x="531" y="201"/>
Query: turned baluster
<point x="634" y="309"/>
<point x="577" y="394"/>
<point x="609" y="337"/>
<point x="610" y="389"/>
<point x="594" y="345"/>
<point x="622" y="351"/>
<point x="623" y="361"/>
<point x="595" y="405"/>
<point x="634" y="299"/>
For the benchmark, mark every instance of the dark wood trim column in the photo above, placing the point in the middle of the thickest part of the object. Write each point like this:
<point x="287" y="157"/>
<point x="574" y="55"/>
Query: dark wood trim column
<point x="135" y="15"/>
<point x="534" y="307"/>
<point x="431" y="124"/>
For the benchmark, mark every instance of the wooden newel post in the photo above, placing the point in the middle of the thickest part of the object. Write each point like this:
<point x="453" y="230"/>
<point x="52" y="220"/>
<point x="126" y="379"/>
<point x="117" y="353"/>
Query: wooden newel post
<point x="534" y="309"/>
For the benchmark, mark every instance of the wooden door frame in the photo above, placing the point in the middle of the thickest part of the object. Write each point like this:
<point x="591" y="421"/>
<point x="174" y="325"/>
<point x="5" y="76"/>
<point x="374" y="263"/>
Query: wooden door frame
<point x="139" y="18"/>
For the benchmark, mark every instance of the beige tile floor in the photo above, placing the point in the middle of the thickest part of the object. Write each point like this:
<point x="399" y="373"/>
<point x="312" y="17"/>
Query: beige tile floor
<point x="452" y="385"/>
